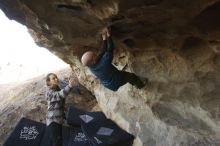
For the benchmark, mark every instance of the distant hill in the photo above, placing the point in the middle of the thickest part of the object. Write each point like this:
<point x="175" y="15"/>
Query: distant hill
<point x="26" y="99"/>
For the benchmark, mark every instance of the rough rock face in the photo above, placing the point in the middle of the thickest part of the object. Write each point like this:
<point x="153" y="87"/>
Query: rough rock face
<point x="174" y="43"/>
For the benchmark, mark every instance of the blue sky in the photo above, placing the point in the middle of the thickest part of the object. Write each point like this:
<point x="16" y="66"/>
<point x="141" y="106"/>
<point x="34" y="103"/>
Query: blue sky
<point x="20" y="57"/>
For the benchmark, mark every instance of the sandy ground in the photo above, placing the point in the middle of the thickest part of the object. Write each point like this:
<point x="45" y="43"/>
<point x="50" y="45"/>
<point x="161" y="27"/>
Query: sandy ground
<point x="26" y="99"/>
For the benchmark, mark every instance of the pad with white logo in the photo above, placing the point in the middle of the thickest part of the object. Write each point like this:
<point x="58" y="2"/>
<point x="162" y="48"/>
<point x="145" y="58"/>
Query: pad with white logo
<point x="104" y="131"/>
<point x="86" y="118"/>
<point x="97" y="140"/>
<point x="29" y="133"/>
<point x="80" y="137"/>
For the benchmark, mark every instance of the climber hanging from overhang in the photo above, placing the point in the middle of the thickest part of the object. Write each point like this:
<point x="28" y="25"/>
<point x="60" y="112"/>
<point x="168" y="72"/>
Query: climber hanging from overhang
<point x="101" y="66"/>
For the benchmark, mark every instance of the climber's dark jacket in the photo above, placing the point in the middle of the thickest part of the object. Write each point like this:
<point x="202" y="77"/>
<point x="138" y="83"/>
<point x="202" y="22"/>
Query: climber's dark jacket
<point x="109" y="75"/>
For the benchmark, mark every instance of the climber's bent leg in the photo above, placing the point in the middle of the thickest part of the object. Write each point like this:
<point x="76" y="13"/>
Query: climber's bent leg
<point x="132" y="79"/>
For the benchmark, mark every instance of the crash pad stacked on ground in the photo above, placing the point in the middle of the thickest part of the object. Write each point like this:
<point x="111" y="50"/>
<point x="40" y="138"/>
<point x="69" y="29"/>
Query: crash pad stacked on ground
<point x="72" y="136"/>
<point x="87" y="129"/>
<point x="26" y="133"/>
<point x="77" y="117"/>
<point x="107" y="133"/>
<point x="98" y="129"/>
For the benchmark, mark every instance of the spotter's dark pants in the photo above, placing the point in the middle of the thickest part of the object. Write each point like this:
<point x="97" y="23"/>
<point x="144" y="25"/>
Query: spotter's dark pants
<point x="55" y="133"/>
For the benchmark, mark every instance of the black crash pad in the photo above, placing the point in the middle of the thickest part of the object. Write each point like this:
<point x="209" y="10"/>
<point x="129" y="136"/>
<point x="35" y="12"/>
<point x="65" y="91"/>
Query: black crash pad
<point x="78" y="138"/>
<point x="99" y="132"/>
<point x="72" y="136"/>
<point x="26" y="133"/>
<point x="107" y="133"/>
<point x="77" y="117"/>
